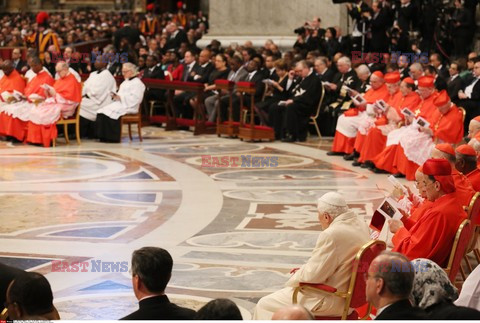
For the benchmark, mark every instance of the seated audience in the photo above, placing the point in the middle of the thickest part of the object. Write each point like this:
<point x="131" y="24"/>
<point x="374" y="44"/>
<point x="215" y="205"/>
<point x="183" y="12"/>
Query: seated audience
<point x="219" y="309"/>
<point x="151" y="271"/>
<point x="469" y="95"/>
<point x="96" y="93"/>
<point x="125" y="101"/>
<point x="330" y="263"/>
<point x="30" y="297"/>
<point x="434" y="293"/>
<point x="388" y="290"/>
<point x="293" y="312"/>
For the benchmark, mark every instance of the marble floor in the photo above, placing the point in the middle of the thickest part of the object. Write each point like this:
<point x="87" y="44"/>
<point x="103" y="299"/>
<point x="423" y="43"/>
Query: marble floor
<point x="233" y="231"/>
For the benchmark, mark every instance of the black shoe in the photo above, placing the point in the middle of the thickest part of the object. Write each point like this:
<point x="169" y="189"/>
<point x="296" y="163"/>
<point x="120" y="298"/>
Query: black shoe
<point x="369" y="164"/>
<point x="356" y="163"/>
<point x="363" y="165"/>
<point x="378" y="171"/>
<point x="349" y="157"/>
<point x="335" y="153"/>
<point x="398" y="175"/>
<point x="303" y="139"/>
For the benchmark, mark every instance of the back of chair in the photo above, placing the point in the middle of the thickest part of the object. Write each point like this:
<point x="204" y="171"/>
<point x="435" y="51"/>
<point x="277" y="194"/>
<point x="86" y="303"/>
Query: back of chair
<point x="473" y="210"/>
<point x="319" y="106"/>
<point x="460" y="244"/>
<point x="356" y="291"/>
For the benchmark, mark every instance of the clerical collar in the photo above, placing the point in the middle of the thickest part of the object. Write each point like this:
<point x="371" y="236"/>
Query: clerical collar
<point x="205" y="65"/>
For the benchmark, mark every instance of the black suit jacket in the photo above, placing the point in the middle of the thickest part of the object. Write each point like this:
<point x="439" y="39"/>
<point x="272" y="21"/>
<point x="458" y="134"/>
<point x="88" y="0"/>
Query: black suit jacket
<point x="440" y="83"/>
<point x="174" y="43"/>
<point x="379" y="25"/>
<point x="407" y="17"/>
<point x="160" y="308"/>
<point x="308" y="91"/>
<point x="448" y="311"/>
<point x="327" y="76"/>
<point x="20" y="65"/>
<point x="156" y="73"/>
<point x="7" y="274"/>
<point x="402" y="310"/>
<point x="453" y="87"/>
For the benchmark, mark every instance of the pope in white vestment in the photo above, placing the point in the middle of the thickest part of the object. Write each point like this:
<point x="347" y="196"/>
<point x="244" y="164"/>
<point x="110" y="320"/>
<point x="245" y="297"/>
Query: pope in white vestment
<point x="330" y="263"/>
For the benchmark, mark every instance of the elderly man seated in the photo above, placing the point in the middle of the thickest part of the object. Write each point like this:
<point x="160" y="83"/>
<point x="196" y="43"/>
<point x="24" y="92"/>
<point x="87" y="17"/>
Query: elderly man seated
<point x="330" y="263"/>
<point x="126" y="101"/>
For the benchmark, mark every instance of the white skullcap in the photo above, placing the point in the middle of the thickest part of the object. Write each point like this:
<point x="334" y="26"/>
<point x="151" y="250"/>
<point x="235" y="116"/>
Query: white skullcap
<point x="332" y="199"/>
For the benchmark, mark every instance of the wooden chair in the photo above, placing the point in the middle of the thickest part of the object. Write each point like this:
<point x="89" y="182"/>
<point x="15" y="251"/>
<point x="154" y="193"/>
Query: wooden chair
<point x="228" y="127"/>
<point x="313" y="119"/>
<point x="75" y="119"/>
<point x="250" y="131"/>
<point x="460" y="244"/>
<point x="355" y="295"/>
<point x="130" y="119"/>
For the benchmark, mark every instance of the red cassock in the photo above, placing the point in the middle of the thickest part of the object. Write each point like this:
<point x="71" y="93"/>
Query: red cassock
<point x="446" y="127"/>
<point x="386" y="159"/>
<point x="342" y="143"/>
<point x="474" y="178"/>
<point x="463" y="187"/>
<point x="69" y="89"/>
<point x="416" y="213"/>
<point x="16" y="127"/>
<point x="9" y="83"/>
<point x="432" y="235"/>
<point x="375" y="140"/>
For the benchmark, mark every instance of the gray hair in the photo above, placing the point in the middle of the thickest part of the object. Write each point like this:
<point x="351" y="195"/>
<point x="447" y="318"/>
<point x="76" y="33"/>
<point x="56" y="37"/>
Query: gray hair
<point x="332" y="210"/>
<point x="345" y="60"/>
<point x="475" y="144"/>
<point x="132" y="67"/>
<point x="363" y="69"/>
<point x="417" y="66"/>
<point x="63" y="65"/>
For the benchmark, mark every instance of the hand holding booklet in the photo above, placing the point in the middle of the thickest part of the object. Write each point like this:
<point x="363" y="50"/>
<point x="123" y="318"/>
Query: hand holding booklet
<point x="282" y="103"/>
<point x="381" y="105"/>
<point x="387" y="210"/>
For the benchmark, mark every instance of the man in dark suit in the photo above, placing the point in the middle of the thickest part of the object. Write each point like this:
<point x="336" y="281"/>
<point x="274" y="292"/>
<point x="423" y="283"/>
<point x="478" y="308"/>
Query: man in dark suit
<point x="293" y="115"/>
<point x="437" y="61"/>
<point x="359" y="11"/>
<point x="380" y="23"/>
<point x="470" y="95"/>
<point x="324" y="73"/>
<point x="454" y="83"/>
<point x="151" y="271"/>
<point x="176" y="37"/>
<point x="440" y="82"/>
<point x="19" y="64"/>
<point x="388" y="288"/>
<point x="153" y="71"/>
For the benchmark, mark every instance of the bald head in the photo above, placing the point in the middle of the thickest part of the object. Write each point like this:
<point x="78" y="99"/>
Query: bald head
<point x="7" y="67"/>
<point x="35" y="64"/>
<point x="292" y="312"/>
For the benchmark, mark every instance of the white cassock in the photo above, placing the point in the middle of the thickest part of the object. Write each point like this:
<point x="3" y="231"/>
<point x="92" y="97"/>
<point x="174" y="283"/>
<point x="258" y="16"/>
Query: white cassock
<point x="330" y="264"/>
<point x="470" y="294"/>
<point x="131" y="95"/>
<point x="98" y="88"/>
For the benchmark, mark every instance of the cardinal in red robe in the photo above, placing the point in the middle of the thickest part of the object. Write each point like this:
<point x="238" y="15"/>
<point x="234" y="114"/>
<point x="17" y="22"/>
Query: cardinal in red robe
<point x="349" y="123"/>
<point x="64" y="98"/>
<point x="10" y="82"/>
<point x="466" y="163"/>
<point x="433" y="233"/>
<point x="385" y="160"/>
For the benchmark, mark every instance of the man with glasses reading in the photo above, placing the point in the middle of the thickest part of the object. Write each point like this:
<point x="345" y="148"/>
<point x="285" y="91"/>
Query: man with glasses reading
<point x="432" y="235"/>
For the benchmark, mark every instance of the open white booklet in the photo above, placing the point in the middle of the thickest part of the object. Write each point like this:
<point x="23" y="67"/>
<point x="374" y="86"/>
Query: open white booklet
<point x="387" y="210"/>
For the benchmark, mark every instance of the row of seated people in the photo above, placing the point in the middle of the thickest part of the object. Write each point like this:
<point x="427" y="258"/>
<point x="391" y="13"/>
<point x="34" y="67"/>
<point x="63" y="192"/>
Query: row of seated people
<point x="399" y="138"/>
<point x="426" y="241"/>
<point x="31" y="108"/>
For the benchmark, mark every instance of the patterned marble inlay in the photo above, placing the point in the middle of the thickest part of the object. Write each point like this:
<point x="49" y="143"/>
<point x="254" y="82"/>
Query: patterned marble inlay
<point x="246" y="161"/>
<point x="53" y="169"/>
<point x="283" y="174"/>
<point x="204" y="149"/>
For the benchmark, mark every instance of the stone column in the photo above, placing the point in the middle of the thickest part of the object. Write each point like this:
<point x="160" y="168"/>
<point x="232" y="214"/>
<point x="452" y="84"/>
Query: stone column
<point x="258" y="20"/>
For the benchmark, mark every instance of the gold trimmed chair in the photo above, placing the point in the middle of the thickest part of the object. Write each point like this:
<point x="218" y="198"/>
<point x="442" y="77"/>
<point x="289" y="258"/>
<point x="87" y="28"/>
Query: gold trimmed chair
<point x="4" y="314"/>
<point x="459" y="247"/>
<point x="473" y="214"/>
<point x="355" y="295"/>
<point x="75" y="120"/>
<point x="313" y="119"/>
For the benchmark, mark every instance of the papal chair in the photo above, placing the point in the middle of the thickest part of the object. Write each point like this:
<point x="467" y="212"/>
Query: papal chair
<point x="355" y="295"/>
